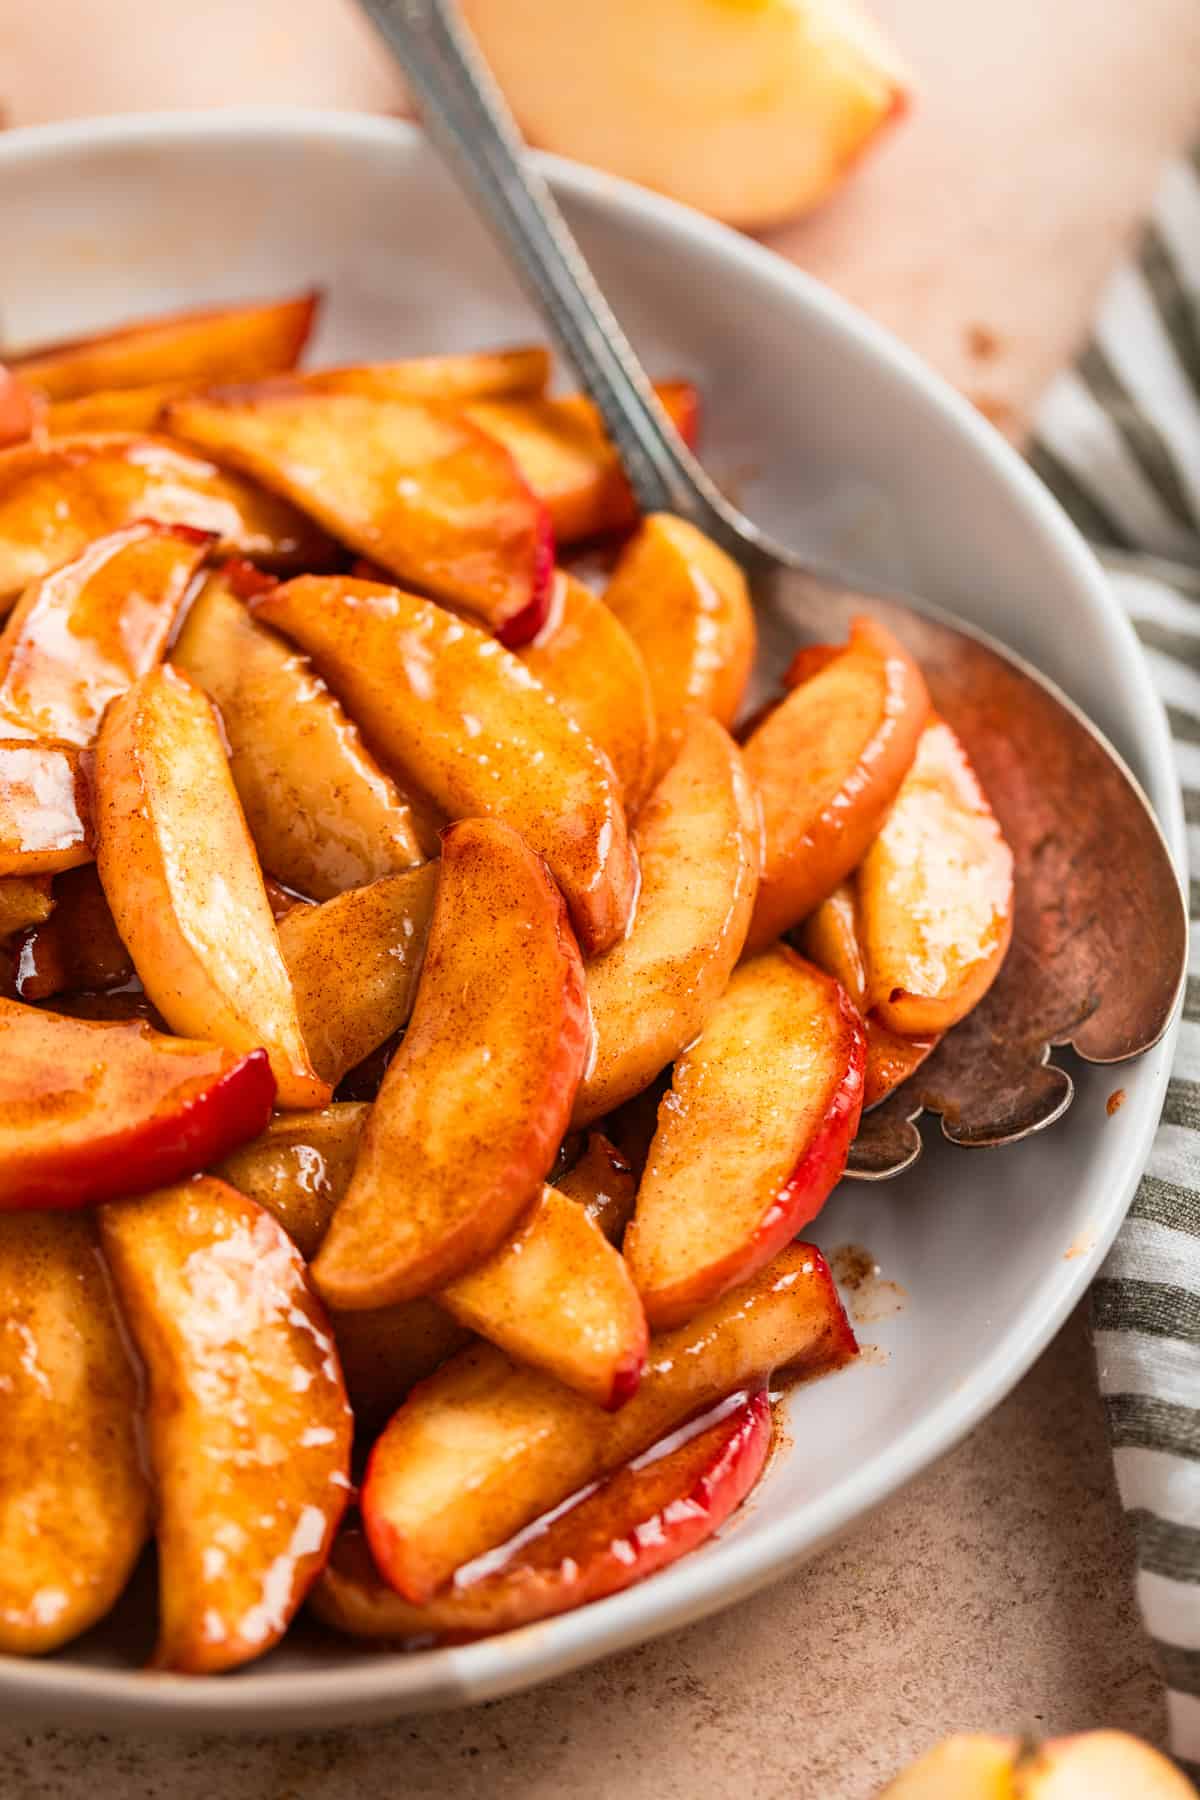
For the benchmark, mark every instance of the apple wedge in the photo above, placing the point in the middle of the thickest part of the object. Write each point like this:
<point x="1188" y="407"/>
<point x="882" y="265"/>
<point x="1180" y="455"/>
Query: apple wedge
<point x="591" y="665"/>
<point x="419" y="489"/>
<point x="112" y="409"/>
<point x="354" y="964"/>
<point x="447" y="380"/>
<point x="247" y="1422"/>
<point x="25" y="900"/>
<point x="78" y="948"/>
<point x="91" y="1110"/>
<point x="751" y="1137"/>
<point x="232" y="343"/>
<point x="79" y="636"/>
<point x="299" y="1168"/>
<point x="323" y="815"/>
<point x="500" y="1016"/>
<point x="645" y="1516"/>
<point x="17" y="411"/>
<point x="69" y="1452"/>
<point x="183" y="882"/>
<point x="45" y="808"/>
<point x="697" y="844"/>
<point x="603" y="1183"/>
<point x="686" y="606"/>
<point x="410" y="673"/>
<point x="56" y="497"/>
<point x="484" y="1447"/>
<point x="827" y="763"/>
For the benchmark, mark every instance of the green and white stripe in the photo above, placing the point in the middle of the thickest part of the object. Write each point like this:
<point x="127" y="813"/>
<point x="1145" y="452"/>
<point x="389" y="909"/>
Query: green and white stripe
<point x="1118" y="439"/>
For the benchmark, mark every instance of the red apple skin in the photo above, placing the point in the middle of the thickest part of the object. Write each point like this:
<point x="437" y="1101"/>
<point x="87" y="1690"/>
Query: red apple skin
<point x="524" y="625"/>
<point x="645" y="1516"/>
<point x="158" y="1109"/>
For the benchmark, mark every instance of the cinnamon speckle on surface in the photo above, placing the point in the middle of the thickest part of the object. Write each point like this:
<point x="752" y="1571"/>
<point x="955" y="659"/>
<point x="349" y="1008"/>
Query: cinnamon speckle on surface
<point x="869" y="1296"/>
<point x="983" y="342"/>
<point x="1115" y="1102"/>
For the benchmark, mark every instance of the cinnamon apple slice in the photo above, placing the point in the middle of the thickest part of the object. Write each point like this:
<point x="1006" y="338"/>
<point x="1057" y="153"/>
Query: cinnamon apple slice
<point x="45" y="808"/>
<point x="410" y="674"/>
<point x="827" y="763"/>
<point x="89" y="1110"/>
<point x="935" y="895"/>
<point x="248" y="1427"/>
<point x="79" y="636"/>
<point x="697" y="844"/>
<point x="686" y="606"/>
<point x="230" y="343"/>
<point x="483" y="1447"/>
<point x="442" y="380"/>
<point x="299" y="1168"/>
<point x="25" y="900"/>
<point x="645" y="1516"/>
<point x="112" y="409"/>
<point x="476" y="1100"/>
<point x="323" y="815"/>
<point x="589" y="662"/>
<point x="17" y="410"/>
<point x="751" y="1137"/>
<point x="419" y="489"/>
<point x="183" y="882"/>
<point x="69" y="1450"/>
<point x="604" y="1184"/>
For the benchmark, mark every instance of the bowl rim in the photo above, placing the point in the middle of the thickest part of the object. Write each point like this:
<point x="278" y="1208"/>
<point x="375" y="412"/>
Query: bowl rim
<point x="377" y="1686"/>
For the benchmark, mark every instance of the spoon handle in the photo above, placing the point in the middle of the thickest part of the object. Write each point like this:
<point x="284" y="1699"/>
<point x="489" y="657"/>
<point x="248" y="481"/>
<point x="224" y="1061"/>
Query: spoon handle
<point x="468" y="119"/>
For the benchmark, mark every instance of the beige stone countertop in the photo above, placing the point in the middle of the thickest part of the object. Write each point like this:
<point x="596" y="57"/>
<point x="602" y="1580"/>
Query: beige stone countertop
<point x="994" y="1592"/>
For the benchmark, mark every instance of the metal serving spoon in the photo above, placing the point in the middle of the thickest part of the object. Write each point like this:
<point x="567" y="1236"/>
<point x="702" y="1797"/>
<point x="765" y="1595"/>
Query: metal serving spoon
<point x="1100" y="942"/>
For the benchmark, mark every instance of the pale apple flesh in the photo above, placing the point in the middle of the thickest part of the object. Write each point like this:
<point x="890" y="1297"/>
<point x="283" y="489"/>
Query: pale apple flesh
<point x="642" y="1518"/>
<point x="69" y="1450"/>
<point x="250" y="1490"/>
<point x="45" y="807"/>
<point x="484" y="1447"/>
<point x="752" y="1135"/>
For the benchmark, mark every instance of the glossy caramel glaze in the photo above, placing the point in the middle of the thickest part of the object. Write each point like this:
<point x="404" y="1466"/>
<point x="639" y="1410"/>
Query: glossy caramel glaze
<point x="299" y="1168"/>
<point x="78" y="948"/>
<point x="891" y="1059"/>
<point x="45" y="808"/>
<point x="25" y="900"/>
<point x="604" y="1184"/>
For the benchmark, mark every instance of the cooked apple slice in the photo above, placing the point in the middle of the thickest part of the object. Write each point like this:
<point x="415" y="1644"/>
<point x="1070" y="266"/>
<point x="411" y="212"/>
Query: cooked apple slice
<point x="80" y="635"/>
<point x="112" y="409"/>
<point x="25" y="900"/>
<point x="299" y="1168"/>
<point x="249" y="1431"/>
<point x="500" y="1016"/>
<point x="184" y="884"/>
<point x="354" y="964"/>
<point x="483" y="1447"/>
<point x="45" y="808"/>
<point x="78" y="947"/>
<point x="232" y="343"/>
<point x="647" y="1515"/>
<point x="91" y="1110"/>
<point x="751" y="1137"/>
<point x="322" y="813"/>
<point x="603" y="1183"/>
<point x="418" y="489"/>
<point x="935" y="895"/>
<point x="56" y="497"/>
<point x="686" y="606"/>
<point x="443" y="380"/>
<point x="827" y="763"/>
<point x="589" y="662"/>
<point x="17" y="413"/>
<point x="697" y="842"/>
<point x="69" y="1453"/>
<point x="410" y="674"/>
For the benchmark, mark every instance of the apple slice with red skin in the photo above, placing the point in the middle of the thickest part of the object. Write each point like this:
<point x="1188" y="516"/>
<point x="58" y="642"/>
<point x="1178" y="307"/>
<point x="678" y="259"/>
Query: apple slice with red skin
<point x="91" y="1110"/>
<point x="45" y="807"/>
<point x="484" y="1447"/>
<point x="419" y="489"/>
<point x="17" y="413"/>
<point x="752" y="1135"/>
<point x="409" y="673"/>
<point x="828" y="762"/>
<point x="645" y="1516"/>
<point x="247" y="1423"/>
<point x="500" y="1014"/>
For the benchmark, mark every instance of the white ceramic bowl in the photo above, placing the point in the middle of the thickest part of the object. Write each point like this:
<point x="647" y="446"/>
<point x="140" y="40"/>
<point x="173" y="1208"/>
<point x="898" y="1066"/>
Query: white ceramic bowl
<point x="842" y="440"/>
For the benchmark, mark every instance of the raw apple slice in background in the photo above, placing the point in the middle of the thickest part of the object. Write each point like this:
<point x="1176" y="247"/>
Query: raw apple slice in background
<point x="645" y="1516"/>
<point x="56" y="497"/>
<point x="17" y="411"/>
<point x="603" y="1183"/>
<point x="445" y="380"/>
<point x="1093" y="1765"/>
<point x="591" y="665"/>
<point x="420" y="490"/>
<point x="45" y="808"/>
<point x="247" y="1422"/>
<point x="686" y="606"/>
<point x="74" y="1502"/>
<point x="25" y="900"/>
<point x="78" y="948"/>
<point x="697" y="843"/>
<point x="828" y="762"/>
<point x="183" y="882"/>
<point x="229" y="343"/>
<point x="91" y="1110"/>
<point x="484" y="1447"/>
<point x="299" y="1168"/>
<point x="409" y="673"/>
<point x="962" y="1768"/>
<point x="935" y="895"/>
<point x="322" y="813"/>
<point x="751" y="1137"/>
<point x="78" y="636"/>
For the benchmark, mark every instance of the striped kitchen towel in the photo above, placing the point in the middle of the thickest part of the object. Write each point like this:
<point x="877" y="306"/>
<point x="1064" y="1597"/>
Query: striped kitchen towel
<point x="1118" y="439"/>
